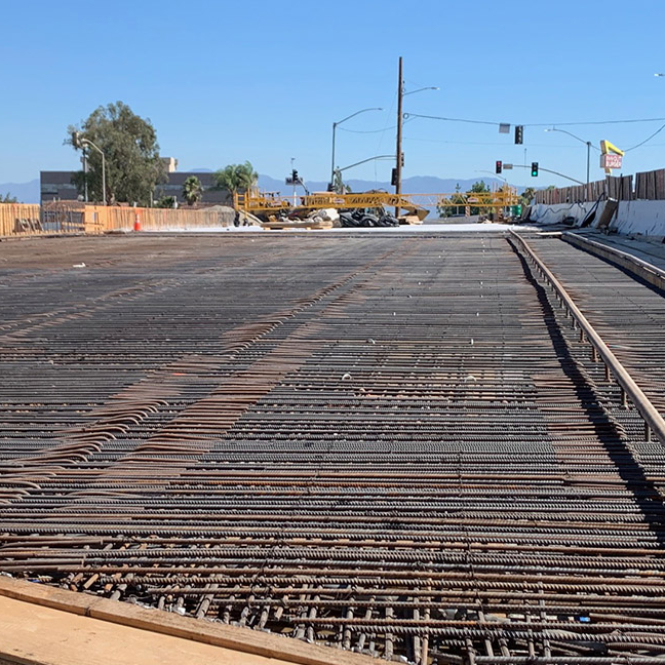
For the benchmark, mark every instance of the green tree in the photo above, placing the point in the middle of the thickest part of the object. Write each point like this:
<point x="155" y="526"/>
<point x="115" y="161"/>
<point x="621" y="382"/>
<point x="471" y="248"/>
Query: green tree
<point x="453" y="205"/>
<point x="192" y="190"/>
<point x="236" y="177"/>
<point x="129" y="143"/>
<point x="8" y="198"/>
<point x="167" y="202"/>
<point x="478" y="187"/>
<point x="528" y="195"/>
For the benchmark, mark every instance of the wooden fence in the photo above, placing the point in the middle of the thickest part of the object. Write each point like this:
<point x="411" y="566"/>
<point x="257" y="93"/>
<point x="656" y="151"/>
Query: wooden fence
<point x="103" y="219"/>
<point x="71" y="217"/>
<point x="19" y="219"/>
<point x="620" y="188"/>
<point x="650" y="185"/>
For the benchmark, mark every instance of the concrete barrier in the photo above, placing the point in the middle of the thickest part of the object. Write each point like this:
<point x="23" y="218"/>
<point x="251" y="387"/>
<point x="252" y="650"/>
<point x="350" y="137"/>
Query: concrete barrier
<point x="645" y="218"/>
<point x="558" y="212"/>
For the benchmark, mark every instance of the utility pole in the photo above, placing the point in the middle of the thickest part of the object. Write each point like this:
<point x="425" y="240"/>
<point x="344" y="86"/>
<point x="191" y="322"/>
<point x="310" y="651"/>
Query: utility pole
<point x="588" y="160"/>
<point x="398" y="165"/>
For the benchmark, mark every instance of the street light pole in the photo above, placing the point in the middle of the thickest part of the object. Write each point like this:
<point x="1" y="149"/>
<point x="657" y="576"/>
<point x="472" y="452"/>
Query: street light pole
<point x="588" y="161"/>
<point x="334" y="132"/>
<point x="85" y="175"/>
<point x="85" y="141"/>
<point x="332" y="165"/>
<point x="588" y="153"/>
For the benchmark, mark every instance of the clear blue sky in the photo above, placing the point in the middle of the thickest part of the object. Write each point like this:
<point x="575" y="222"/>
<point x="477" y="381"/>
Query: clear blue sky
<point x="224" y="82"/>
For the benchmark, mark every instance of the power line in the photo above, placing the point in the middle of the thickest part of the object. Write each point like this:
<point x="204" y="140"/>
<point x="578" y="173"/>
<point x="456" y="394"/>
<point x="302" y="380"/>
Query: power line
<point x="534" y="124"/>
<point x="658" y="131"/>
<point x="365" y="131"/>
<point x="411" y="116"/>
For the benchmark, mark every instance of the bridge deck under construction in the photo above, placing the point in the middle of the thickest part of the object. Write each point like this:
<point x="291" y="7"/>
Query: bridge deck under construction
<point x="393" y="444"/>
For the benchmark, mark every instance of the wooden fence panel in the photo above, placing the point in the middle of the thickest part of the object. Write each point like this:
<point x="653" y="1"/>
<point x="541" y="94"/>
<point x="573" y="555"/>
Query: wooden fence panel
<point x="650" y="185"/>
<point x="617" y="187"/>
<point x="101" y="219"/>
<point x="19" y="219"/>
<point x="660" y="184"/>
<point x="71" y="217"/>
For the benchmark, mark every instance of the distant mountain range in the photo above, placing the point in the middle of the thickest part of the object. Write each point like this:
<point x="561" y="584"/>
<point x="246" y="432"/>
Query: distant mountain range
<point x="25" y="192"/>
<point x="28" y="192"/>
<point x="415" y="185"/>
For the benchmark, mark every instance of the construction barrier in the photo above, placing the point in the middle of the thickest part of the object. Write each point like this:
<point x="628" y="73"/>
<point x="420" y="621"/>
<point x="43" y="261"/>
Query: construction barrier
<point x="648" y="186"/>
<point x="71" y="217"/>
<point x="105" y="219"/>
<point x="614" y="187"/>
<point x="19" y="219"/>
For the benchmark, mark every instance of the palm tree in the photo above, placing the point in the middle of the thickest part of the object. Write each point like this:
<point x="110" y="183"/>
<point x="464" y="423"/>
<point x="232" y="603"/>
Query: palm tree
<point x="236" y="177"/>
<point x="192" y="190"/>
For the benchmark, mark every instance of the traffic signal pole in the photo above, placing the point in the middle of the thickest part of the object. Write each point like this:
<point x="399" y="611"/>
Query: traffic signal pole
<point x="540" y="168"/>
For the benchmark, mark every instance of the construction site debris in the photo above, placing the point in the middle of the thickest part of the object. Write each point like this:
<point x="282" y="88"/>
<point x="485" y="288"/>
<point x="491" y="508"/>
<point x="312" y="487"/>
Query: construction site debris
<point x="359" y="218"/>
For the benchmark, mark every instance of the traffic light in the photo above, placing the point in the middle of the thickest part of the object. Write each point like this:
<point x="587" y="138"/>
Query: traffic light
<point x="519" y="134"/>
<point x="393" y="178"/>
<point x="499" y="166"/>
<point x="294" y="175"/>
<point x="534" y="169"/>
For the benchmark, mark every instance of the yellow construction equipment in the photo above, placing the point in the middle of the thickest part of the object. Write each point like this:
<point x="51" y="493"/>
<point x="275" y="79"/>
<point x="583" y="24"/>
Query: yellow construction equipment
<point x="414" y="206"/>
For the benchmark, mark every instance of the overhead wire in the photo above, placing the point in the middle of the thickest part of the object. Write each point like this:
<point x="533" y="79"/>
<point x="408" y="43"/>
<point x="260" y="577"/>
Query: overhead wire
<point x="534" y="124"/>
<point x="410" y="116"/>
<point x="658" y="131"/>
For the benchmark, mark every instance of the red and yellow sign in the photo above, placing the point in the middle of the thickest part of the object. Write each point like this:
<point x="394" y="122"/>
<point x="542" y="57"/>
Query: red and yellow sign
<point x="611" y="157"/>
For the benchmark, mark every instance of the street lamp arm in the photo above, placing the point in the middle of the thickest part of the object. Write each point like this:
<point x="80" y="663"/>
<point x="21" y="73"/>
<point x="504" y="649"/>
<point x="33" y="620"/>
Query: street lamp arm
<point x="334" y="130"/>
<point x="413" y="92"/>
<point x="577" y="138"/>
<point x="369" y="159"/>
<point x="353" y="115"/>
<point x="85" y="141"/>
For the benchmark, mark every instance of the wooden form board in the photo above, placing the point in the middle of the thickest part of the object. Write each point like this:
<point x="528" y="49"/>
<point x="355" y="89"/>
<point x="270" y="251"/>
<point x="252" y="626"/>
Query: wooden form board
<point x="243" y="642"/>
<point x="40" y="635"/>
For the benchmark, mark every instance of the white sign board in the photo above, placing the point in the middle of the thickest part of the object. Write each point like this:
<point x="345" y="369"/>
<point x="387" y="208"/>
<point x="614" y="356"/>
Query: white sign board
<point x="610" y="161"/>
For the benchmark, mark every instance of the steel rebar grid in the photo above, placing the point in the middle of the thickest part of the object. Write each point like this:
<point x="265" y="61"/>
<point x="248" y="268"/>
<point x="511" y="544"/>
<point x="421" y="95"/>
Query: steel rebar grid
<point x="393" y="445"/>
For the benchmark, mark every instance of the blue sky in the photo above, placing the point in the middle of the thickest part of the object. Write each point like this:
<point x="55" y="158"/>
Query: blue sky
<point x="224" y="82"/>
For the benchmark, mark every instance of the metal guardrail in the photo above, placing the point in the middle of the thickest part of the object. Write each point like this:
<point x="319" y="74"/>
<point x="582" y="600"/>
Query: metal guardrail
<point x="654" y="422"/>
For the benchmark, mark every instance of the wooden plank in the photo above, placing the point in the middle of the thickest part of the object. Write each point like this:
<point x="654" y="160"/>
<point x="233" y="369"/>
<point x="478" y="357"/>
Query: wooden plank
<point x="243" y="640"/>
<point x="19" y="219"/>
<point x="651" y="186"/>
<point x="660" y="184"/>
<point x="41" y="635"/>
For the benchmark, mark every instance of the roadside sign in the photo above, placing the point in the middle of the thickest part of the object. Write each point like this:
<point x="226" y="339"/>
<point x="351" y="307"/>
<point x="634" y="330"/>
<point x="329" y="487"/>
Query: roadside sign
<point x="507" y="166"/>
<point x="610" y="156"/>
<point x="609" y="161"/>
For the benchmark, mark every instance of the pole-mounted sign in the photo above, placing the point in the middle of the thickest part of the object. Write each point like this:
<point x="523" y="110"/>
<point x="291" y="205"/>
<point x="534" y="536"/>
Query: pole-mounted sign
<point x="611" y="157"/>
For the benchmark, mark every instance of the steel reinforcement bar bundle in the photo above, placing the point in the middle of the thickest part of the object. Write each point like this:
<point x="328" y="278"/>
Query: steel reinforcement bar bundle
<point x="396" y="445"/>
